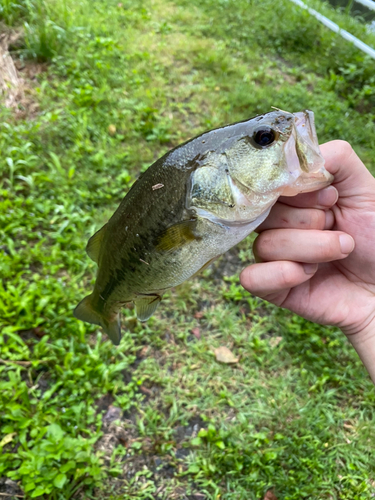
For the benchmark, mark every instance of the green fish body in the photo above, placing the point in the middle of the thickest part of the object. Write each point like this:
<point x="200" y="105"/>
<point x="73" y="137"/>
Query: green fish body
<point x="194" y="204"/>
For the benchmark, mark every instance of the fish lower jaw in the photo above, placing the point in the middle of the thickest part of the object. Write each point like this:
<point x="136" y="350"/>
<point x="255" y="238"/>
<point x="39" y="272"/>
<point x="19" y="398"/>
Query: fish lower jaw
<point x="308" y="182"/>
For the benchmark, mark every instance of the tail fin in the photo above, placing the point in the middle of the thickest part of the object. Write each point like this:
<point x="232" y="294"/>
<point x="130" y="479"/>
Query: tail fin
<point x="85" y="311"/>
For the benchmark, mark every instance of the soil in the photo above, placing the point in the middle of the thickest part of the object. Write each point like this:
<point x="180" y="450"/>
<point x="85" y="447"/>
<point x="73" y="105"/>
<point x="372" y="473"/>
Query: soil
<point x="120" y="428"/>
<point x="10" y="489"/>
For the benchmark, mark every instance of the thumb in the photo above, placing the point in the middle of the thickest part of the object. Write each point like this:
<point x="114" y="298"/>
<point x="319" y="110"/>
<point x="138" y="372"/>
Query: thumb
<point x="351" y="176"/>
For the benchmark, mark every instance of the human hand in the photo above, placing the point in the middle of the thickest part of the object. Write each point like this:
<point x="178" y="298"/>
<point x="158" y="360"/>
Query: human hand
<point x="316" y="253"/>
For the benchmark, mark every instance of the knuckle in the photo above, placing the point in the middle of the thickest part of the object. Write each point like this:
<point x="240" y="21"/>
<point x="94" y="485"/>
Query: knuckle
<point x="286" y="276"/>
<point x="263" y="244"/>
<point x="344" y="148"/>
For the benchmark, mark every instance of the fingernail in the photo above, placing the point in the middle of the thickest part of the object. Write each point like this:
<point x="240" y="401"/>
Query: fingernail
<point x="310" y="268"/>
<point x="328" y="196"/>
<point x="346" y="243"/>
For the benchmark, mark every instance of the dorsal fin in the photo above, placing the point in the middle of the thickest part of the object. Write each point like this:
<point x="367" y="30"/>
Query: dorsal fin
<point x="94" y="244"/>
<point x="146" y="306"/>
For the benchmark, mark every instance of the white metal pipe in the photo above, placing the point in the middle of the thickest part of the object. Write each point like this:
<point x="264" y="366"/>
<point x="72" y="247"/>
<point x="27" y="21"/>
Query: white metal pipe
<point x="334" y="27"/>
<point x="367" y="3"/>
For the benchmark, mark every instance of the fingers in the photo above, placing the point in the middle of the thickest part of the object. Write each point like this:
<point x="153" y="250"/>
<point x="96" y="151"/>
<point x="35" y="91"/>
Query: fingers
<point x="284" y="216"/>
<point x="324" y="198"/>
<point x="302" y="246"/>
<point x="273" y="280"/>
<point x="304" y="211"/>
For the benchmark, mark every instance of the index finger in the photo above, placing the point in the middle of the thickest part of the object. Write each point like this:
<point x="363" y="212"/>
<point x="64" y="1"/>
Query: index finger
<point x="323" y="199"/>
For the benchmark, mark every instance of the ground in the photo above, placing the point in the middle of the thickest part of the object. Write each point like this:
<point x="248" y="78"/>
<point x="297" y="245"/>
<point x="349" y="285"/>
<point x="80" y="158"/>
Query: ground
<point x="108" y="87"/>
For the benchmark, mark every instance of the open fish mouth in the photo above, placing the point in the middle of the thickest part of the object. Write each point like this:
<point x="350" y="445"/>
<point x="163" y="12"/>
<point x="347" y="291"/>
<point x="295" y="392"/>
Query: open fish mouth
<point x="303" y="157"/>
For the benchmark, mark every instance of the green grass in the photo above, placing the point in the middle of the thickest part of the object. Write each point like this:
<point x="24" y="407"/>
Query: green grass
<point x="124" y="82"/>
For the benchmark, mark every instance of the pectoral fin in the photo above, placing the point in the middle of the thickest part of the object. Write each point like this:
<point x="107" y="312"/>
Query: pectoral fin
<point x="177" y="236"/>
<point x="94" y="244"/>
<point x="146" y="306"/>
<point x="205" y="265"/>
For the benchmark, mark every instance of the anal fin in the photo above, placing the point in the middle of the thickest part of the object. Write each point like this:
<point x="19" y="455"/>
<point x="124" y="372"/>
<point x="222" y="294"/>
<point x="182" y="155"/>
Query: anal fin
<point x="146" y="306"/>
<point x="113" y="329"/>
<point x="94" y="244"/>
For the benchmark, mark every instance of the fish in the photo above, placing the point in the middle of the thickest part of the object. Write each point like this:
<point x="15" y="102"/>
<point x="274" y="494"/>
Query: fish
<point x="192" y="205"/>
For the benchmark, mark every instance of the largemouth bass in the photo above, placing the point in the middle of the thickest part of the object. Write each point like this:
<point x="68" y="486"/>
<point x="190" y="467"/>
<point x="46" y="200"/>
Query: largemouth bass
<point x="194" y="204"/>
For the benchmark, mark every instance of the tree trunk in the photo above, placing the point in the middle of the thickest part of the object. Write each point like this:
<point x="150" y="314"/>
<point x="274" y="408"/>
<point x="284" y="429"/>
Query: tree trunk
<point x="10" y="84"/>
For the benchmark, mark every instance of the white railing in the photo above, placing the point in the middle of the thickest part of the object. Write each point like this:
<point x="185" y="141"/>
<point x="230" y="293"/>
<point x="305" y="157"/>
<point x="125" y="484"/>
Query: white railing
<point x="367" y="3"/>
<point x="334" y="27"/>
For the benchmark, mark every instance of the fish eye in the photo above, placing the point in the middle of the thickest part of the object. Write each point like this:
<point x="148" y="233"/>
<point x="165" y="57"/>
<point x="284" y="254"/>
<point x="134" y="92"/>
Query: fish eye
<point x="264" y="137"/>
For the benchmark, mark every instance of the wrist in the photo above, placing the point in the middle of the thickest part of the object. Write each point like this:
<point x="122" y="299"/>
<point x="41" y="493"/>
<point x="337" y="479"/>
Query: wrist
<point x="364" y="343"/>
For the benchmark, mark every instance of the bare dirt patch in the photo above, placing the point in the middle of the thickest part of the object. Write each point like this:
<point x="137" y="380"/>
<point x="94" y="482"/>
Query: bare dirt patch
<point x="9" y="489"/>
<point x="120" y="428"/>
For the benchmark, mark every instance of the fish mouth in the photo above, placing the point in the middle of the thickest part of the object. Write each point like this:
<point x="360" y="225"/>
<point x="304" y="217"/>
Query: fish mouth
<point x="303" y="158"/>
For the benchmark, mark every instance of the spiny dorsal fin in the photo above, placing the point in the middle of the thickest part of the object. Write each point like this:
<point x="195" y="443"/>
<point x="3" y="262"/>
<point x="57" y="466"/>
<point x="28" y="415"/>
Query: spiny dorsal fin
<point x="94" y="244"/>
<point x="146" y="306"/>
<point x="177" y="236"/>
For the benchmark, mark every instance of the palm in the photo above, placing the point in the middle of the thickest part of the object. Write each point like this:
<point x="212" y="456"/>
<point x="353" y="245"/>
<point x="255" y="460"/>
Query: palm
<point x="342" y="292"/>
